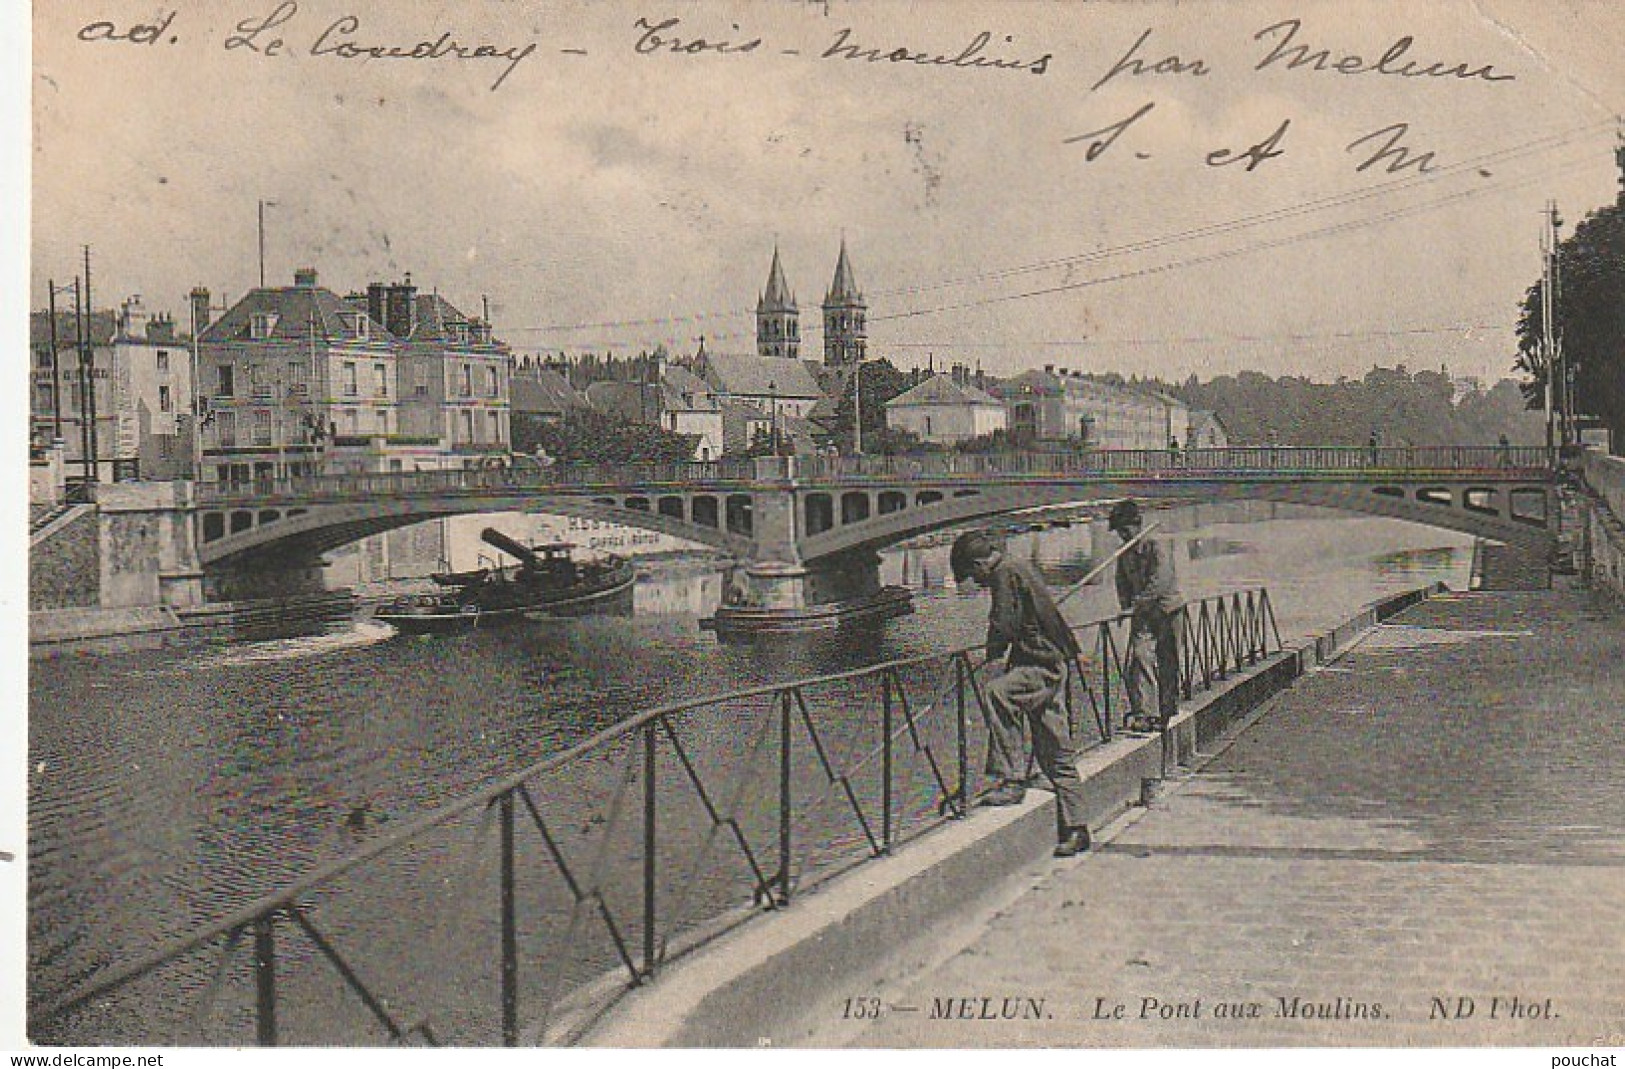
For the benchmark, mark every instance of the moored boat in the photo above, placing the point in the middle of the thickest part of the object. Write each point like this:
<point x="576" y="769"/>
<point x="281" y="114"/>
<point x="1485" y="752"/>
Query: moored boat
<point x="747" y="621"/>
<point x="547" y="581"/>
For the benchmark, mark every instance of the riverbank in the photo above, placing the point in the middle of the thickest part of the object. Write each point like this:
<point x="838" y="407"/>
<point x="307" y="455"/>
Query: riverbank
<point x="757" y="986"/>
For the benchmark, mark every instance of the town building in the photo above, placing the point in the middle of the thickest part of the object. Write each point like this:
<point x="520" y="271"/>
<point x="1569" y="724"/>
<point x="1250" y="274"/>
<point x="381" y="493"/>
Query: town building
<point x="946" y="408"/>
<point x="455" y="389"/>
<point x="1056" y="405"/>
<point x="129" y="407"/>
<point x="1207" y="431"/>
<point x="297" y="380"/>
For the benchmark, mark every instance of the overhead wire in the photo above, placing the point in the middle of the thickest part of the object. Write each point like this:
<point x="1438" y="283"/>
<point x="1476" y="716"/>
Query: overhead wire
<point x="1321" y="204"/>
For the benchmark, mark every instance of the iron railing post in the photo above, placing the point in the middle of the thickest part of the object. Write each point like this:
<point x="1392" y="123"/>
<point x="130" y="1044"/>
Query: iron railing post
<point x="885" y="764"/>
<point x="649" y="855"/>
<point x="510" y="927"/>
<point x="962" y="739"/>
<point x="265" y="979"/>
<point x="784" y="798"/>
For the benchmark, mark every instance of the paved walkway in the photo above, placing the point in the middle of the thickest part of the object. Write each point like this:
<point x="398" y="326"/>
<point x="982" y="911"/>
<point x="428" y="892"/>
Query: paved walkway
<point x="1421" y="844"/>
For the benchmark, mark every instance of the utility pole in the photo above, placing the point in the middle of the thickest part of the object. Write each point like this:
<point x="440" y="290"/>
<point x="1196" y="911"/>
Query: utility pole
<point x="90" y="353"/>
<point x="84" y="383"/>
<point x="857" y="408"/>
<point x="1548" y="308"/>
<point x="263" y="205"/>
<point x="56" y="375"/>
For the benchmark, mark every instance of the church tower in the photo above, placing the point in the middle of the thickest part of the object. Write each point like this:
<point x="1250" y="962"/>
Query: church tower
<point x="778" y="323"/>
<point x="846" y="332"/>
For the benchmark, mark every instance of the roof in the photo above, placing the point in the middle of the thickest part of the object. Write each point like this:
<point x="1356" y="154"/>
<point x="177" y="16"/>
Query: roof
<point x="636" y="402"/>
<point x="540" y="390"/>
<point x="760" y="376"/>
<point x="943" y="390"/>
<point x="683" y="380"/>
<point x="777" y="297"/>
<point x="103" y="325"/>
<point x="298" y="309"/>
<point x="433" y="316"/>
<point x="843" y="289"/>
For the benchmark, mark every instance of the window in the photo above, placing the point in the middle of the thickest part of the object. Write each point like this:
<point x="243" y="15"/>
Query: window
<point x="495" y="422"/>
<point x="380" y="420"/>
<point x="227" y="422"/>
<point x="468" y="425"/>
<point x="298" y="379"/>
<point x="227" y="381"/>
<point x="262" y="426"/>
<point x="164" y="402"/>
<point x="420" y="380"/>
<point x="492" y="381"/>
<point x="350" y="389"/>
<point x="467" y="388"/>
<point x="163" y="361"/>
<point x="361" y="324"/>
<point x="347" y="422"/>
<point x="261" y="325"/>
<point x="380" y="376"/>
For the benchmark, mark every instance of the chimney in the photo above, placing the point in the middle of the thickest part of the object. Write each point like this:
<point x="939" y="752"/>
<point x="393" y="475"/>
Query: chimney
<point x="305" y="277"/>
<point x="200" y="308"/>
<point x="161" y="328"/>
<point x="400" y="308"/>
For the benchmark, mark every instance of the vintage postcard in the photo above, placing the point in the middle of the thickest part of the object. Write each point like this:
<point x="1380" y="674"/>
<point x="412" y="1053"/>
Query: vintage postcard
<point x="815" y="524"/>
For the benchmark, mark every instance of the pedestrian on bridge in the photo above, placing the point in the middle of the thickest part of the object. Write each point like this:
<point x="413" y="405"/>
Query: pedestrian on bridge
<point x="1026" y="629"/>
<point x="1148" y="587"/>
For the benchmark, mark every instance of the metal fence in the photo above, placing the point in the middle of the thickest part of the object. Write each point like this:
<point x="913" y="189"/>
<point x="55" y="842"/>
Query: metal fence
<point x="543" y="896"/>
<point x="1196" y="464"/>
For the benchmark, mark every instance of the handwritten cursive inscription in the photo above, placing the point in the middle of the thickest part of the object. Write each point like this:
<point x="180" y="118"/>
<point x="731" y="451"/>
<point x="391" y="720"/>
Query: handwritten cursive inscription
<point x="339" y="40"/>
<point x="254" y="33"/>
<point x="657" y="37"/>
<point x="1300" y="55"/>
<point x="137" y="33"/>
<point x="1131" y="63"/>
<point x="1396" y="155"/>
<point x="971" y="56"/>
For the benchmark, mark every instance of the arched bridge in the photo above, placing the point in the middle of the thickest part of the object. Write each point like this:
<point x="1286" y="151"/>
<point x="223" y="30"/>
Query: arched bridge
<point x="800" y="511"/>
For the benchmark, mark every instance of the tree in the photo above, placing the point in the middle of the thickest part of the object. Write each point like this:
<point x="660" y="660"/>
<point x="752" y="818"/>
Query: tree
<point x="881" y="381"/>
<point x="586" y="435"/>
<point x="1590" y="318"/>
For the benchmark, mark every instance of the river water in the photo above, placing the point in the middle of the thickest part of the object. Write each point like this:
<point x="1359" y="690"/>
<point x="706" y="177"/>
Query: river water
<point x="168" y="787"/>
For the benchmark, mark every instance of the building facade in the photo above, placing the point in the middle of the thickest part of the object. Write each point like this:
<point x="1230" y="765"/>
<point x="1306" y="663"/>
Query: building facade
<point x="297" y="380"/>
<point x="128" y="407"/>
<point x="1055" y="405"/>
<point x="945" y="410"/>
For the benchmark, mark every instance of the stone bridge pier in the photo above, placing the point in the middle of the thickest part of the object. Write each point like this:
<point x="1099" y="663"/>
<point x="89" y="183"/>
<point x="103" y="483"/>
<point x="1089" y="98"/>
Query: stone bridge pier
<point x="775" y="576"/>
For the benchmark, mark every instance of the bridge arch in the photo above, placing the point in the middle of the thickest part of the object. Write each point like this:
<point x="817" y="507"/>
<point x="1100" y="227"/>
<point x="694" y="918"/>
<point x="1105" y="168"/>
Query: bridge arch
<point x="229" y="537"/>
<point x="1514" y="514"/>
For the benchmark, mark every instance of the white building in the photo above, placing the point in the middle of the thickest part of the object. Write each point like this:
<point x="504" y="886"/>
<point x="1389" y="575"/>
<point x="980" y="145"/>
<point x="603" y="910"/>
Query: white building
<point x="943" y="410"/>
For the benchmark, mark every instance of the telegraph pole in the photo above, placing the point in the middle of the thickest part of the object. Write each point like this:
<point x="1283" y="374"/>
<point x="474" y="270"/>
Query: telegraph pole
<point x="56" y="374"/>
<point x="84" y="381"/>
<point x="90" y="361"/>
<point x="1549" y="342"/>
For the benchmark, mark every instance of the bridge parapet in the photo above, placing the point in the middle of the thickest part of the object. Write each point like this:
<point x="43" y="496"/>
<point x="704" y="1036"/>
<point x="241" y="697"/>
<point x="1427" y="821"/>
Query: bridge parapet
<point x="1485" y="462"/>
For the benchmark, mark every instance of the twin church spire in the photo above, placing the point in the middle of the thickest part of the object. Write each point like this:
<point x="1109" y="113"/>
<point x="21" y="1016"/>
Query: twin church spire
<point x="778" y="329"/>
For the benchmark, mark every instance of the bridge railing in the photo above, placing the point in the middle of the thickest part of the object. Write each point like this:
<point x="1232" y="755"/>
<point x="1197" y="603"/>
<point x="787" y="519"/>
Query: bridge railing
<point x="1138" y="463"/>
<point x="544" y="895"/>
<point x="1293" y="462"/>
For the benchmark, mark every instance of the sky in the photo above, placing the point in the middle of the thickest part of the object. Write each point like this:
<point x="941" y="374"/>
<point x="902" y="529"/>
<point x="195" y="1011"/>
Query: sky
<point x="603" y="197"/>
